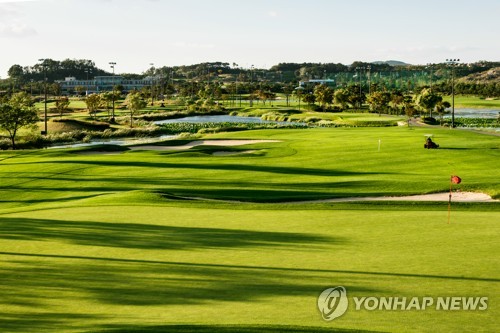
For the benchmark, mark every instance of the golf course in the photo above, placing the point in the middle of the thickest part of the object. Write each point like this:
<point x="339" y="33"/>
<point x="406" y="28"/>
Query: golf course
<point x="272" y="166"/>
<point x="228" y="235"/>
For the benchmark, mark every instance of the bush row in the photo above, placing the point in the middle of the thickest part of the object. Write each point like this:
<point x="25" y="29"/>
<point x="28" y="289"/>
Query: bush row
<point x="473" y="122"/>
<point x="212" y="127"/>
<point x="178" y="114"/>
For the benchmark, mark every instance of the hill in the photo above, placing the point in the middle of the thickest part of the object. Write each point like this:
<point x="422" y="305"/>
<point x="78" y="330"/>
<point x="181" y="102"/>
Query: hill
<point x="393" y="63"/>
<point x="489" y="76"/>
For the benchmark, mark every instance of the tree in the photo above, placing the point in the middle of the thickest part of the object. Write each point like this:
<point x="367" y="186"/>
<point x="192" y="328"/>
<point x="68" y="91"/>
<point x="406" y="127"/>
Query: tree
<point x="79" y="90"/>
<point x="379" y="101"/>
<point x="55" y="89"/>
<point x="440" y="107"/>
<point x="324" y="95"/>
<point x="397" y="99"/>
<point x="134" y="103"/>
<point x="265" y="95"/>
<point x="62" y="105"/>
<point x="341" y="97"/>
<point x="309" y="98"/>
<point x="17" y="113"/>
<point x="21" y="100"/>
<point x="288" y="90"/>
<point x="299" y="92"/>
<point x="93" y="101"/>
<point x="15" y="71"/>
<point x="427" y="100"/>
<point x="355" y="97"/>
<point x="108" y="97"/>
<point x="408" y="107"/>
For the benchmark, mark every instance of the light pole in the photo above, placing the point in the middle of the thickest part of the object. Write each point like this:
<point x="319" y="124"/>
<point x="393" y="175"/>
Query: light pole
<point x="429" y="66"/>
<point x="359" y="69"/>
<point x="112" y="65"/>
<point x="452" y="63"/>
<point x="237" y="80"/>
<point x="151" y="82"/>
<point x="369" y="68"/>
<point x="298" y="92"/>
<point x="45" y="94"/>
<point x="251" y="85"/>
<point x="31" y="88"/>
<point x="87" y="71"/>
<point x="208" y="79"/>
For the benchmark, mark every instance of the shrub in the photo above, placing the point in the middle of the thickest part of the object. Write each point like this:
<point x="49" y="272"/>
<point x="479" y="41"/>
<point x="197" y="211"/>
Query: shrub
<point x="312" y="119"/>
<point x="273" y="116"/>
<point x="5" y="144"/>
<point x="430" y="120"/>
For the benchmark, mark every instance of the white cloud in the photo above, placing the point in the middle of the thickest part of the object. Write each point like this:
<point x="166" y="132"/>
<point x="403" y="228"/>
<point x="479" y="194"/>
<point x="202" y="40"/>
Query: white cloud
<point x="272" y="13"/>
<point x="11" y="20"/>
<point x="16" y="29"/>
<point x="16" y="1"/>
<point x="193" y="45"/>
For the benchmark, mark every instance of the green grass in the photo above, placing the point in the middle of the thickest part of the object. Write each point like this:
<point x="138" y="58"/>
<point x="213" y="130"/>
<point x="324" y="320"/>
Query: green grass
<point x="105" y="243"/>
<point x="474" y="102"/>
<point x="338" y="118"/>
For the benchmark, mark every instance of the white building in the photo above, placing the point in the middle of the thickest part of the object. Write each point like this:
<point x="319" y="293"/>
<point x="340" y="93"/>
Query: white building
<point x="102" y="83"/>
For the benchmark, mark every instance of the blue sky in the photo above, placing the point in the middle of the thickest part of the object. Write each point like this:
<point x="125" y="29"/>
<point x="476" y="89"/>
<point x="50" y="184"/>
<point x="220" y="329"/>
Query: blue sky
<point x="135" y="33"/>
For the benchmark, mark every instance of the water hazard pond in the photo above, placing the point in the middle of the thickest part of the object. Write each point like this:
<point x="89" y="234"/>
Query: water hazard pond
<point x="218" y="119"/>
<point x="195" y="119"/>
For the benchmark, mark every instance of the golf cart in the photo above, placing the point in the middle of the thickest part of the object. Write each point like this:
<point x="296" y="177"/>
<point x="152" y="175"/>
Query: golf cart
<point x="429" y="144"/>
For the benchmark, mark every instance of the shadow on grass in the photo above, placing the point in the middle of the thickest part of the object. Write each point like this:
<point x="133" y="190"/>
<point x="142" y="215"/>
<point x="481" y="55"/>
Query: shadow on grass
<point x="217" y="166"/>
<point x="67" y="199"/>
<point x="226" y="329"/>
<point x="42" y="283"/>
<point x="256" y="190"/>
<point x="261" y="195"/>
<point x="150" y="236"/>
<point x="41" y="322"/>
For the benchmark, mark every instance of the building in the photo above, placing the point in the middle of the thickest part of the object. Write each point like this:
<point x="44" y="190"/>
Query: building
<point x="102" y="83"/>
<point x="328" y="82"/>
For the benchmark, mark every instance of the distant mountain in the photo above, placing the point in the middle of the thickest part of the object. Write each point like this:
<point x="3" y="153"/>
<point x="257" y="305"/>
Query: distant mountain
<point x="391" y="63"/>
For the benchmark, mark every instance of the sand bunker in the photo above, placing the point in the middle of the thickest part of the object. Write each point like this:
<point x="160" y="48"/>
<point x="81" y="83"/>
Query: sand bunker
<point x="456" y="197"/>
<point x="225" y="143"/>
<point x="231" y="153"/>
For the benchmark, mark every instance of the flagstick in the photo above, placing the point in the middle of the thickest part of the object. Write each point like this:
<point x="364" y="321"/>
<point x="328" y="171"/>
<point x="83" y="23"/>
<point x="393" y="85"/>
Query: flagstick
<point x="449" y="202"/>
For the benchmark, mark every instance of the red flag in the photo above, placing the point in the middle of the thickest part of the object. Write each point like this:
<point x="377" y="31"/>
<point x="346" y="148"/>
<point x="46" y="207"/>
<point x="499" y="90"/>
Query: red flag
<point x="456" y="179"/>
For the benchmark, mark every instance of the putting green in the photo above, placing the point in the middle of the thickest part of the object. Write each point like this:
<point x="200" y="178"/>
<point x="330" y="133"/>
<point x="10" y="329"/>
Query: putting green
<point x="93" y="243"/>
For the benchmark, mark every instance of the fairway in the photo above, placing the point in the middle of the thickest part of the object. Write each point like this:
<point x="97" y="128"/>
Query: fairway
<point x="112" y="240"/>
